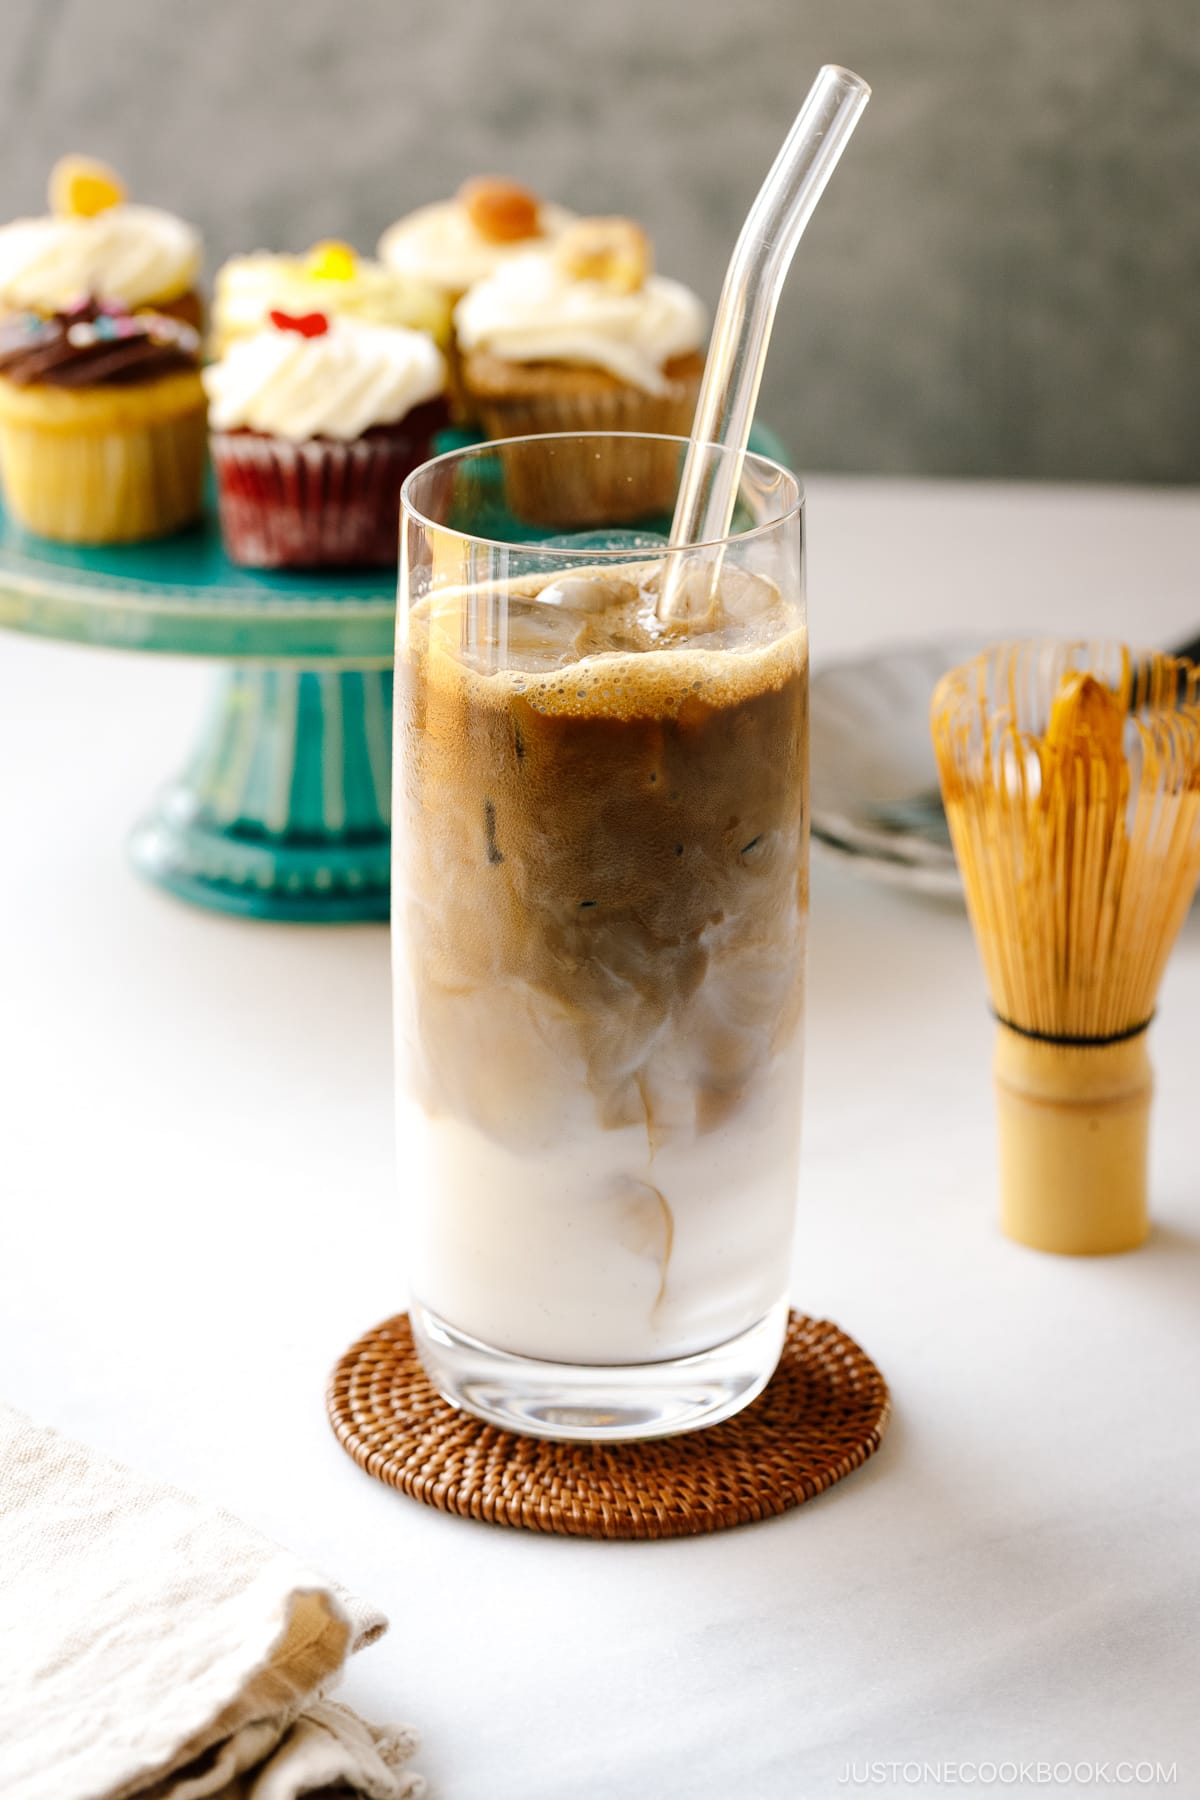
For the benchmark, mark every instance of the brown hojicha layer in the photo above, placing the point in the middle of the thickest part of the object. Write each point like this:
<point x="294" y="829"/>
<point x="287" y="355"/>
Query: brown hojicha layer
<point x="604" y="890"/>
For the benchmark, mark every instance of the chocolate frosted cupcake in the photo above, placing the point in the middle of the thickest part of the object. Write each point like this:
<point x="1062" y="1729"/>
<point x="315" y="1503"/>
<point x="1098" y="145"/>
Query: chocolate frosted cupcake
<point x="95" y="242"/>
<point x="101" y="423"/>
<point x="584" y="337"/>
<point x="315" y="425"/>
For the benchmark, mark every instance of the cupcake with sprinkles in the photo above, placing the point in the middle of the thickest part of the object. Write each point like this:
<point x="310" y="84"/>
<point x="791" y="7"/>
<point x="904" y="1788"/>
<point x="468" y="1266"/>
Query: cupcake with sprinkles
<point x="315" y="423"/>
<point x="94" y="241"/>
<point x="102" y="422"/>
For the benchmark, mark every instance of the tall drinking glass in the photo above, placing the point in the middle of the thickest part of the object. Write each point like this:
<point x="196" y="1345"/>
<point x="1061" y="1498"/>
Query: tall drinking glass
<point x="600" y="901"/>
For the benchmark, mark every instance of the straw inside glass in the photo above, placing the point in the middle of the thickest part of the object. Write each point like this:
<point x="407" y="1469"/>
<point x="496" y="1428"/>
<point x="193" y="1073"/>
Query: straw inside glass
<point x="746" y="312"/>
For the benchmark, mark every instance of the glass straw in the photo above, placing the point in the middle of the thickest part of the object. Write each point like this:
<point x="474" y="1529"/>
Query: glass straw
<point x="742" y="331"/>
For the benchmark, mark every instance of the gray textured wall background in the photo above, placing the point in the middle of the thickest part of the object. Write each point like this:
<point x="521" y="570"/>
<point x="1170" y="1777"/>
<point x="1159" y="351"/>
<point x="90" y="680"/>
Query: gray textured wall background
<point x="1002" y="278"/>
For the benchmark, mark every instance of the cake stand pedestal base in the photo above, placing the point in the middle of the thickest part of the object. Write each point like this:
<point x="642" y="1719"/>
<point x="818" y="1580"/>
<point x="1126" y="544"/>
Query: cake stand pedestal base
<point x="284" y="811"/>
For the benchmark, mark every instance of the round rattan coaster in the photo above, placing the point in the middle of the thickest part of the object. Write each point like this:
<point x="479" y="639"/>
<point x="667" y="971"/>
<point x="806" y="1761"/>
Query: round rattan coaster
<point x="823" y="1413"/>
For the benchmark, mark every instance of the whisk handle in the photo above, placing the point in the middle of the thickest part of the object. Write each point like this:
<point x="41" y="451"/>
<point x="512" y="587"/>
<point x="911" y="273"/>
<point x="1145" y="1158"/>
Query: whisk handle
<point x="1074" y="1124"/>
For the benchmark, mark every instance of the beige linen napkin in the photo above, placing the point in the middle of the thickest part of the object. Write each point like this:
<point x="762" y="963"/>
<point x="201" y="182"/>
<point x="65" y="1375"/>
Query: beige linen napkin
<point x="154" y="1647"/>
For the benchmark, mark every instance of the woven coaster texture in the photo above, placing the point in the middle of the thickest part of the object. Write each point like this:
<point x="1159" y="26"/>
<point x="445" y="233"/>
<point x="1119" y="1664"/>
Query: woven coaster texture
<point x="823" y="1413"/>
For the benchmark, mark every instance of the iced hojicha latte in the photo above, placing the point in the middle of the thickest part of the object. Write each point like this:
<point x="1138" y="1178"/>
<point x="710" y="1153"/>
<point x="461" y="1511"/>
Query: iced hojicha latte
<point x="600" y="927"/>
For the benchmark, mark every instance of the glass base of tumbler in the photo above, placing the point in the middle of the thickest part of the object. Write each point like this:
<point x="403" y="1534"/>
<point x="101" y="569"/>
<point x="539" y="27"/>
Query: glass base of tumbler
<point x="598" y="1403"/>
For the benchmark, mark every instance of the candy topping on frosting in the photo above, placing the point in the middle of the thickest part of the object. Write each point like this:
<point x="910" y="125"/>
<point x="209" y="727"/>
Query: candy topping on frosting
<point x="501" y="211"/>
<point x="331" y="260"/>
<point x="91" y="345"/>
<point x="455" y="243"/>
<point x="81" y="187"/>
<point x="108" y="326"/>
<point x="309" y="325"/>
<point x="615" y="252"/>
<point x="248" y="287"/>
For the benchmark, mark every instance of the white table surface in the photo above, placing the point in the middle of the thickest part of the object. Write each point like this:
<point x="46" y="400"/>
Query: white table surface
<point x="198" y="1212"/>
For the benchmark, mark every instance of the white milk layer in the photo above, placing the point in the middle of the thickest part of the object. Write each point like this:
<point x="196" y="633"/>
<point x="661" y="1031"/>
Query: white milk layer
<point x="596" y="1251"/>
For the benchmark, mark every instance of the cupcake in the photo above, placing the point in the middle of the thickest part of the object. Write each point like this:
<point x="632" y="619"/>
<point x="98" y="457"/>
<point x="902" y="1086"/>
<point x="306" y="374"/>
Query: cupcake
<point x="582" y="336"/>
<point x="453" y="244"/>
<point x="315" y="423"/>
<point x="332" y="280"/>
<point x="102" y="423"/>
<point x="94" y="242"/>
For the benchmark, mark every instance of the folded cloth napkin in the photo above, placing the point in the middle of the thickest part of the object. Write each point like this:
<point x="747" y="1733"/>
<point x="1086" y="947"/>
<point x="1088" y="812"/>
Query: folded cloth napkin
<point x="154" y="1648"/>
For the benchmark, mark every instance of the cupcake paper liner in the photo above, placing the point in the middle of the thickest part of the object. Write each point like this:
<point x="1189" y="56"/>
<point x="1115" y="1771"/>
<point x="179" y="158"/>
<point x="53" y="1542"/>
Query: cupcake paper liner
<point x="94" y="482"/>
<point x="586" y="484"/>
<point x="321" y="503"/>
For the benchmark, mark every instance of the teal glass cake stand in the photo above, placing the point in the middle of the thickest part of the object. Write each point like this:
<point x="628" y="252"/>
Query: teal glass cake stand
<point x="284" y="808"/>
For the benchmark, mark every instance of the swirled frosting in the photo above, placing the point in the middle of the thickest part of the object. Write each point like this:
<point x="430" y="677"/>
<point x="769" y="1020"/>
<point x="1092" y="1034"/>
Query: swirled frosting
<point x="440" y="243"/>
<point x="532" y="310"/>
<point x="95" y="346"/>
<point x="247" y="287"/>
<point x="136" y="255"/>
<point x="337" y="384"/>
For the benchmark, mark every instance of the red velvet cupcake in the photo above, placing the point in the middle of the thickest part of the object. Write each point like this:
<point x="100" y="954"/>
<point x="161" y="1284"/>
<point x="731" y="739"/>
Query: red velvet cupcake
<point x="314" y="427"/>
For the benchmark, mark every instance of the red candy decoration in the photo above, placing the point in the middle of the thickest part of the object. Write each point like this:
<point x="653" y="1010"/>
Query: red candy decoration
<point x="314" y="324"/>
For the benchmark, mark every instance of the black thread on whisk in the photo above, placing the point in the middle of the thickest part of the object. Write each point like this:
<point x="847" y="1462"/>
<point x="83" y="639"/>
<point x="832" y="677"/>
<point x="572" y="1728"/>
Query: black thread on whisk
<point x="1066" y="1040"/>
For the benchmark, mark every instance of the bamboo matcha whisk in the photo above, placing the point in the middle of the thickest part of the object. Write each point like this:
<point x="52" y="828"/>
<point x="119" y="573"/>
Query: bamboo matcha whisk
<point x="1071" y="780"/>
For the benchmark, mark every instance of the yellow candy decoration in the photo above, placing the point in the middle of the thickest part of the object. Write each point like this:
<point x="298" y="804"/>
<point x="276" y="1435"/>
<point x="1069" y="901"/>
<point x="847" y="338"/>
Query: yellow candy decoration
<point x="81" y="187"/>
<point x="332" y="261"/>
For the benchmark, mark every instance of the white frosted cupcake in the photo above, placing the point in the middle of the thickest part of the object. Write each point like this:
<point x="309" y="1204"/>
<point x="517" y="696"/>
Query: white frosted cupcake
<point x="584" y="337"/>
<point x="95" y="244"/>
<point x="453" y="244"/>
<point x="331" y="279"/>
<point x="314" y="425"/>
